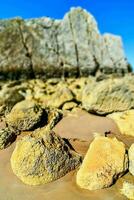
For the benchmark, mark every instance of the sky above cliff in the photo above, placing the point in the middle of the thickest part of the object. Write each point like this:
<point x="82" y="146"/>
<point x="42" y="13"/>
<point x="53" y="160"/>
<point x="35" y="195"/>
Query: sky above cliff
<point x="115" y="16"/>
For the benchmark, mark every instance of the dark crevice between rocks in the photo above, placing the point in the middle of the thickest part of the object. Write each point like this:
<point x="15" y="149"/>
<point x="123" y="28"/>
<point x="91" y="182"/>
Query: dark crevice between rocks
<point x="28" y="54"/>
<point x="75" y="46"/>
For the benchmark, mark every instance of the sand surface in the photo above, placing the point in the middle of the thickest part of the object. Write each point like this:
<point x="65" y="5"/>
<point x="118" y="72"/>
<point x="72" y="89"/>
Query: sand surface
<point x="11" y="188"/>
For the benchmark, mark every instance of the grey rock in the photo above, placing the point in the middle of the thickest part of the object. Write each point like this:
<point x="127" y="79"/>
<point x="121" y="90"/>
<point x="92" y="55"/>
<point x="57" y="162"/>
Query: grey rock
<point x="113" y="55"/>
<point x="72" y="47"/>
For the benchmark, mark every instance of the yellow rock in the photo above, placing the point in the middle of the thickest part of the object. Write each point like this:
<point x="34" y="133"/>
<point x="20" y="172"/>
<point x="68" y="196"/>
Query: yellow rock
<point x="128" y="190"/>
<point x="125" y="121"/>
<point x="104" y="162"/>
<point x="41" y="160"/>
<point x="131" y="159"/>
<point x="24" y="115"/>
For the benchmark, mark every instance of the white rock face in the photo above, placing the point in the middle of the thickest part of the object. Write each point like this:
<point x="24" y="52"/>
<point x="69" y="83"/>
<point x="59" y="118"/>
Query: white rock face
<point x="70" y="47"/>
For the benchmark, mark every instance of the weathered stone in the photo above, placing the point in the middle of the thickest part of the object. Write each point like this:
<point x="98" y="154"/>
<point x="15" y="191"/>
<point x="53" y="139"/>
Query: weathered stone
<point x="108" y="96"/>
<point x="128" y="190"/>
<point x="77" y="86"/>
<point x="25" y="115"/>
<point x="73" y="43"/>
<point x="113" y="55"/>
<point x="7" y="136"/>
<point x="131" y="159"/>
<point x="124" y="120"/>
<point x="69" y="105"/>
<point x="60" y="96"/>
<point x="104" y="162"/>
<point x="14" y="61"/>
<point x="39" y="161"/>
<point x="46" y="48"/>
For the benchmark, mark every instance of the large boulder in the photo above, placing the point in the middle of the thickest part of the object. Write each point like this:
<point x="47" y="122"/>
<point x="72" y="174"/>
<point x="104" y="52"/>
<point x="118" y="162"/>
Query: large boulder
<point x="104" y="162"/>
<point x="108" y="96"/>
<point x="39" y="161"/>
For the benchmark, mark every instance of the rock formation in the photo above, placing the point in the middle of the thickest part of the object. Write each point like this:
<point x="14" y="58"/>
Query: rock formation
<point x="108" y="96"/>
<point x="104" y="162"/>
<point x="39" y="161"/>
<point x="71" y="47"/>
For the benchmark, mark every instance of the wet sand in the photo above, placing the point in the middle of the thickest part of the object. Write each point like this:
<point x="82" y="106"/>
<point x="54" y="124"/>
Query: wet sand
<point x="80" y="126"/>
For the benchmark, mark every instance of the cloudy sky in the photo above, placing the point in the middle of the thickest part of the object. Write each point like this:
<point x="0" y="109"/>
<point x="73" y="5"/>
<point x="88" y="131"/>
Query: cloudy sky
<point x="113" y="16"/>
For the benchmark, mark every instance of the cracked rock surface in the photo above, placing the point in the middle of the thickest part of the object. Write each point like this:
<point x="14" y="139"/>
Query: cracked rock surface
<point x="71" y="47"/>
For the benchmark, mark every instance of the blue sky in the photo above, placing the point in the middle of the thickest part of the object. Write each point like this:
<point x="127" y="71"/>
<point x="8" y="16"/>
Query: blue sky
<point x="113" y="16"/>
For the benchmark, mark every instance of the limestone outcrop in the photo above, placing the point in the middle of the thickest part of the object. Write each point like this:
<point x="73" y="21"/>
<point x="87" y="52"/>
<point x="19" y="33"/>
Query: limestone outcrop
<point x="71" y="47"/>
<point x="104" y="162"/>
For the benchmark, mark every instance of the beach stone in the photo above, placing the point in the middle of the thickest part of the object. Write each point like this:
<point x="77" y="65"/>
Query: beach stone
<point x="39" y="161"/>
<point x="124" y="121"/>
<point x="6" y="137"/>
<point x="104" y="162"/>
<point x="131" y="159"/>
<point x="108" y="96"/>
<point x="128" y="190"/>
<point x="63" y="94"/>
<point x="25" y="115"/>
<point x="69" y="105"/>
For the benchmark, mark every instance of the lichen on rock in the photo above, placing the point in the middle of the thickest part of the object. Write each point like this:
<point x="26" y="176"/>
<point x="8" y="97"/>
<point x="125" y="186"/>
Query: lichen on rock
<point x="41" y="160"/>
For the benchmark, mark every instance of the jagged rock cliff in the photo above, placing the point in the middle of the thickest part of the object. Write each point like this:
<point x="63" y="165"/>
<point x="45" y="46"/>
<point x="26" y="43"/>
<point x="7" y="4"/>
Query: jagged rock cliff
<point x="71" y="47"/>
